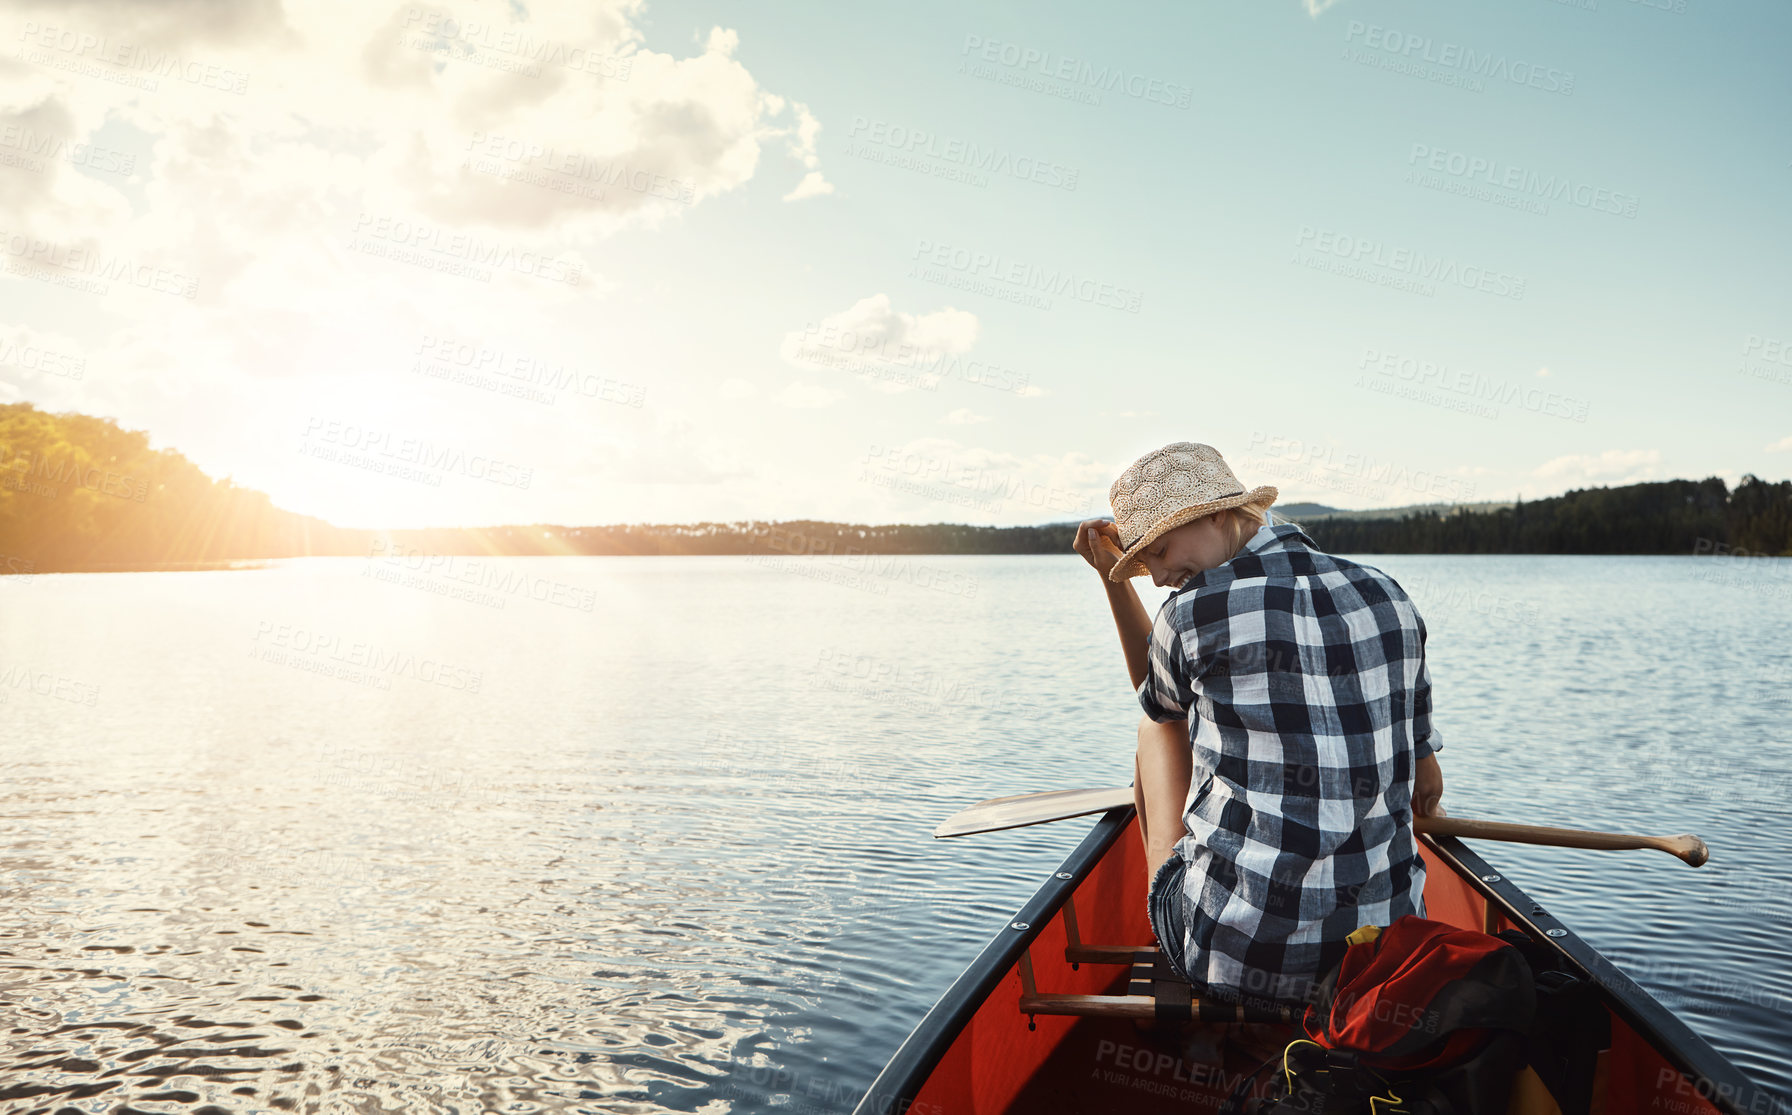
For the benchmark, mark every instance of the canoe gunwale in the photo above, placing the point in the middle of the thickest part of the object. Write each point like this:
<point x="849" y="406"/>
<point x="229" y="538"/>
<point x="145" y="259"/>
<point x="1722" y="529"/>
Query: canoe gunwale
<point x="1729" y="1089"/>
<point x="921" y="1052"/>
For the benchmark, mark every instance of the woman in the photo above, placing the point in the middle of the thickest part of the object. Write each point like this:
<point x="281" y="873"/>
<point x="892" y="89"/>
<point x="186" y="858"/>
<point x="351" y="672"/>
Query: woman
<point x="1288" y="689"/>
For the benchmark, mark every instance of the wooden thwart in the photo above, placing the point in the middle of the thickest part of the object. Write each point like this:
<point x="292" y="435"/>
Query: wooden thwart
<point x="1156" y="991"/>
<point x="1078" y="953"/>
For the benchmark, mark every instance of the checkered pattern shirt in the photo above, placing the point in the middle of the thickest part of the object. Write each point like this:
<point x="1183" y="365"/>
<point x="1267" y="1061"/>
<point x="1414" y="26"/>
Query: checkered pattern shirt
<point x="1302" y="677"/>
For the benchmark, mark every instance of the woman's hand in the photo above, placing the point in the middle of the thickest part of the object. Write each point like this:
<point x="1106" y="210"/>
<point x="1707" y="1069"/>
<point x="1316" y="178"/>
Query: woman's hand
<point x="1427" y="788"/>
<point x="1098" y="540"/>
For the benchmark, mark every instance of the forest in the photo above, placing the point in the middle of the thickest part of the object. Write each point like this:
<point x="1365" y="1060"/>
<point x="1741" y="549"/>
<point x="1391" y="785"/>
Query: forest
<point x="78" y="492"/>
<point x="1667" y="517"/>
<point x="81" y="493"/>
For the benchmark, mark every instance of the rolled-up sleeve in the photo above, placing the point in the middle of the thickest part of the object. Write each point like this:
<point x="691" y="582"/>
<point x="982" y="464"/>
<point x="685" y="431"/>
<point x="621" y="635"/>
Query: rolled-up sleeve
<point x="1166" y="693"/>
<point x="1425" y="739"/>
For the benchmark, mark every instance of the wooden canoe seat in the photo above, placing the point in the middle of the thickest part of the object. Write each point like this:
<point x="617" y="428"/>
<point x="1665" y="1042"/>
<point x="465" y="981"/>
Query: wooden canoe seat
<point x="1078" y="953"/>
<point x="1156" y="991"/>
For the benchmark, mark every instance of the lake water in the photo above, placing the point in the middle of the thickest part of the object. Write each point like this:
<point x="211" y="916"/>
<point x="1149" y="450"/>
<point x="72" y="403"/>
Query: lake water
<point x="611" y="834"/>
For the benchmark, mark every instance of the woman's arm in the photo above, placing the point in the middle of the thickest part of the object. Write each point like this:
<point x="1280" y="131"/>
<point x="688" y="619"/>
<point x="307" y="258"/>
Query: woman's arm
<point x="1097" y="540"/>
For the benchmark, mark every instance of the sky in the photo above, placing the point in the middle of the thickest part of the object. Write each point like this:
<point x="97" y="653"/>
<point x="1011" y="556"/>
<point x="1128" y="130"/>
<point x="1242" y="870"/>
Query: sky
<point x="616" y="261"/>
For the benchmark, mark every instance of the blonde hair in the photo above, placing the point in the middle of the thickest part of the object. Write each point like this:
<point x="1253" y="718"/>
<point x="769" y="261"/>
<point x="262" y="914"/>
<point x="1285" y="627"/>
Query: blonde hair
<point x="1244" y="521"/>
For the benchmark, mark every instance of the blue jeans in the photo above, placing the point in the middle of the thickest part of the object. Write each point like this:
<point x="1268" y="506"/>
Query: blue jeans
<point x="1163" y="905"/>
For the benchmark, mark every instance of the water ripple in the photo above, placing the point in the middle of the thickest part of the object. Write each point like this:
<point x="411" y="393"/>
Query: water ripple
<point x="674" y="856"/>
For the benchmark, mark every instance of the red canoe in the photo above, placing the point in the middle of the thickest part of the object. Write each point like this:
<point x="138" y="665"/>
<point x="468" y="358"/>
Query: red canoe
<point x="994" y="1045"/>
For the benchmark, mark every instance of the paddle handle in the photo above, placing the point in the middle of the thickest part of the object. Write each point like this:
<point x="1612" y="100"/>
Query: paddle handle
<point x="1685" y="846"/>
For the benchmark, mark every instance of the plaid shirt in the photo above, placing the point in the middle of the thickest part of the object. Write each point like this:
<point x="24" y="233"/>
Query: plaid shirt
<point x="1306" y="675"/>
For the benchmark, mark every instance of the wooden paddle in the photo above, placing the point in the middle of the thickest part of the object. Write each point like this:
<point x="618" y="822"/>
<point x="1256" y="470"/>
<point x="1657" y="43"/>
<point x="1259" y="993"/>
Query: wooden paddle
<point x="1021" y="810"/>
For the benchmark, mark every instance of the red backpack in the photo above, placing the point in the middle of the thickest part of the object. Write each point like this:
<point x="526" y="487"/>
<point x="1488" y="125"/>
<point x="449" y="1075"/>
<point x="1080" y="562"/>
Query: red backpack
<point x="1418" y="1017"/>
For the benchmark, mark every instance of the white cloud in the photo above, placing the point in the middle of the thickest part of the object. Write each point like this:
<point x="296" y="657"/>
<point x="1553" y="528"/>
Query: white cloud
<point x="1783" y="445"/>
<point x="939" y="479"/>
<point x="871" y="336"/>
<point x="1543" y="373"/>
<point x="963" y="417"/>
<point x="477" y="135"/>
<point x="54" y="365"/>
<point x="737" y="389"/>
<point x="1613" y="466"/>
<point x="1314" y="7"/>
<point x="672" y="454"/>
<point x="802" y="146"/>
<point x="812" y="185"/>
<point x="802" y="396"/>
<point x="540" y="137"/>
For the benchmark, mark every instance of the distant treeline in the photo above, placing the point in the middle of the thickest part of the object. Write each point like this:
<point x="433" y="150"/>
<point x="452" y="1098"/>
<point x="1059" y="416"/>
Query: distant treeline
<point x="797" y="537"/>
<point x="1670" y="517"/>
<point x="78" y="492"/>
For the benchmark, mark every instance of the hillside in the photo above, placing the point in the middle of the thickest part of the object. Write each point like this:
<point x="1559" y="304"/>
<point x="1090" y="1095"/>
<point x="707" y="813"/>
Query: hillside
<point x="80" y="493"/>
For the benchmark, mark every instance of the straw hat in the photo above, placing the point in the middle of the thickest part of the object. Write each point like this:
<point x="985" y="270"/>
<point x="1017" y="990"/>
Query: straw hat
<point x="1170" y="487"/>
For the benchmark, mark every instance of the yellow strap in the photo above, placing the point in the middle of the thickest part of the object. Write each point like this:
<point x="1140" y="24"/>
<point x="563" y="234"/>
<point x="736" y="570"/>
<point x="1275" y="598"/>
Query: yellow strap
<point x="1364" y="934"/>
<point x="1287" y="1072"/>
<point x="1376" y="1101"/>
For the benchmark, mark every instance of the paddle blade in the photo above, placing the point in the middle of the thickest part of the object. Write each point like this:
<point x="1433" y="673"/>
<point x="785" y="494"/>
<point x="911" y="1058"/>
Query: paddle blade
<point x="1032" y="809"/>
